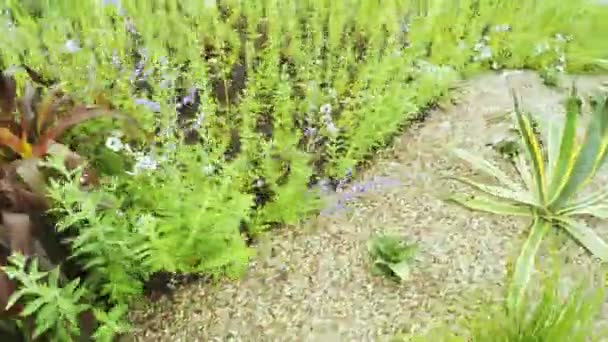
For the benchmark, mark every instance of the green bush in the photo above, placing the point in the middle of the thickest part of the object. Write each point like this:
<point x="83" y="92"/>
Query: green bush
<point x="248" y="103"/>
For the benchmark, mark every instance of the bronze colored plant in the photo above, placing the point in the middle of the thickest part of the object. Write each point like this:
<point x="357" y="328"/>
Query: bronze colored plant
<point x="29" y="130"/>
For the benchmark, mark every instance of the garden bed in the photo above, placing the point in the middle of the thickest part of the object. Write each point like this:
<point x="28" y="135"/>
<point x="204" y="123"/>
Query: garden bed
<point x="241" y="115"/>
<point x="313" y="283"/>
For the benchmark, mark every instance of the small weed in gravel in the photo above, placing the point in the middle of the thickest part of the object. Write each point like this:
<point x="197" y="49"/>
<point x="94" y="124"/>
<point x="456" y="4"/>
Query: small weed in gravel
<point x="391" y="256"/>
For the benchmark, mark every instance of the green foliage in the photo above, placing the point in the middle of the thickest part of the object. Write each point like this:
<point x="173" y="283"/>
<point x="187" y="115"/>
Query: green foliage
<point x="553" y="313"/>
<point x="288" y="92"/>
<point x="56" y="307"/>
<point x="551" y="184"/>
<point x="391" y="255"/>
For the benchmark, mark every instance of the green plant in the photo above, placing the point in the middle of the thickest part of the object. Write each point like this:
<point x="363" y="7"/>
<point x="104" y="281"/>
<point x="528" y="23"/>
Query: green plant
<point x="40" y="121"/>
<point x="56" y="307"/>
<point x="553" y="313"/>
<point x="552" y="316"/>
<point x="248" y="102"/>
<point x="391" y="255"/>
<point x="550" y="190"/>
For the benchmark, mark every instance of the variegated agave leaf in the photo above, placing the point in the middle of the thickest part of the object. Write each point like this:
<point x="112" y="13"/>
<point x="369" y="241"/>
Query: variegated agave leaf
<point x="553" y="173"/>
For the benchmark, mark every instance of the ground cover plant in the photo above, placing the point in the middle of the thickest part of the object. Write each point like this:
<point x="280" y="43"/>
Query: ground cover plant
<point x="247" y="108"/>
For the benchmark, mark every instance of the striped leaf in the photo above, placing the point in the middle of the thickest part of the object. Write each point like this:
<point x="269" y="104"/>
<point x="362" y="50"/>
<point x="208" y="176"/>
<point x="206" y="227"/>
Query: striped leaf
<point x="587" y="158"/>
<point x="585" y="236"/>
<point x="524" y="266"/>
<point x="491" y="205"/>
<point x="553" y="137"/>
<point x="533" y="150"/>
<point x="487" y="167"/>
<point x="566" y="158"/>
<point x="599" y="211"/>
<point x="500" y="192"/>
<point x="523" y="168"/>
<point x="603" y="107"/>
<point x="597" y="197"/>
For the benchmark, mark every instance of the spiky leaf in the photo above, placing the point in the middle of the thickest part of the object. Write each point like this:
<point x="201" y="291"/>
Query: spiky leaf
<point x="487" y="167"/>
<point x="533" y="150"/>
<point x="491" y="205"/>
<point x="566" y="158"/>
<point x="587" y="158"/>
<point x="585" y="236"/>
<point x="524" y="266"/>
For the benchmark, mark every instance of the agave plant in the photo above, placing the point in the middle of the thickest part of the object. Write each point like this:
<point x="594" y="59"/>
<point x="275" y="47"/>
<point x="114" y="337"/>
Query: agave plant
<point x="550" y="191"/>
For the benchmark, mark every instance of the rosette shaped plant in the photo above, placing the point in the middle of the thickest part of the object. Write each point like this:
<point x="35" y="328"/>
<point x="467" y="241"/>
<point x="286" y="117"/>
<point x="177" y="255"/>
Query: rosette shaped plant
<point x="552" y="188"/>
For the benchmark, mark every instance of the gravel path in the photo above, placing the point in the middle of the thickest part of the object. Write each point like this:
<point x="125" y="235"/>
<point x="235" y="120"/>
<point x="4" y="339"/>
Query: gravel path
<point x="313" y="283"/>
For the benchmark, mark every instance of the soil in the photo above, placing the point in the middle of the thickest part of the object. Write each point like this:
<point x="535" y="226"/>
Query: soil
<point x="313" y="282"/>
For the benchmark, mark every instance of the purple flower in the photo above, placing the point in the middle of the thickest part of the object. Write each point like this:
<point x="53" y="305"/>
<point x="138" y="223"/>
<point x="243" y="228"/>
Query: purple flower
<point x="348" y="195"/>
<point x="151" y="105"/>
<point x="189" y="100"/>
<point x="310" y="131"/>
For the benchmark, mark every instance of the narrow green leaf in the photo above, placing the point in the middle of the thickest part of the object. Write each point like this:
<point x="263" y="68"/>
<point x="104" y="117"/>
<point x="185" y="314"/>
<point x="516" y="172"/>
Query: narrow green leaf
<point x="598" y="197"/>
<point x="33" y="306"/>
<point x="553" y="137"/>
<point x="599" y="211"/>
<point x="523" y="168"/>
<point x="45" y="320"/>
<point x="500" y="192"/>
<point x="14" y="298"/>
<point x="524" y="266"/>
<point x="585" y="236"/>
<point x="533" y="150"/>
<point x="603" y="107"/>
<point x="586" y="160"/>
<point x="566" y="159"/>
<point x="491" y="205"/>
<point x="487" y="167"/>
